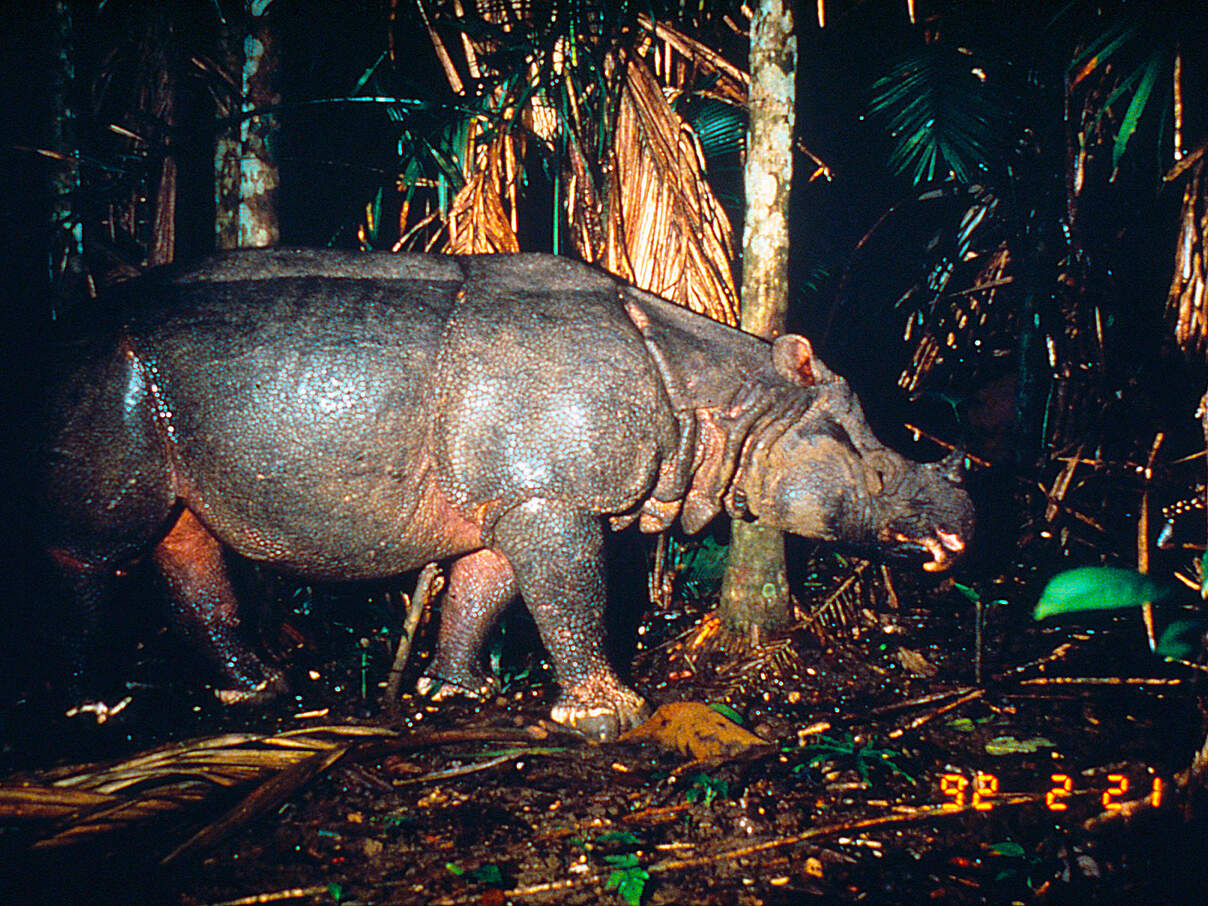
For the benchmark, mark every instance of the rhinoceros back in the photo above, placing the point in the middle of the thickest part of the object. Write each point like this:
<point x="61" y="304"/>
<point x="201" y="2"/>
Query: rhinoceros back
<point x="319" y="409"/>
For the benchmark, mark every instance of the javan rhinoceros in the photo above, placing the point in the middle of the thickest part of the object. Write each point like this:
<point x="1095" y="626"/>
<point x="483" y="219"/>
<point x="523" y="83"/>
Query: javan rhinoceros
<point x="354" y="416"/>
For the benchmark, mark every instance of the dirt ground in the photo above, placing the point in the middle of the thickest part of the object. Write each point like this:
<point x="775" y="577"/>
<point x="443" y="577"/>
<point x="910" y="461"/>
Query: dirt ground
<point x="889" y="775"/>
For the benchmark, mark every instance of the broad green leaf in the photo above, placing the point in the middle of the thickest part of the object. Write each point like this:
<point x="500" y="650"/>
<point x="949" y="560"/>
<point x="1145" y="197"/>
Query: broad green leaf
<point x="1097" y="588"/>
<point x="1183" y="640"/>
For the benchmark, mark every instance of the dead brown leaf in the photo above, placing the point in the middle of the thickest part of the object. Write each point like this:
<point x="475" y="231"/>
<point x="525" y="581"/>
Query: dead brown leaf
<point x="696" y="730"/>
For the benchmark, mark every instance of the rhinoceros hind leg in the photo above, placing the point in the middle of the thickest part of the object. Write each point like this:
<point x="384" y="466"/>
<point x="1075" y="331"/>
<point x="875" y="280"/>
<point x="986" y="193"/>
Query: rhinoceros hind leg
<point x="481" y="585"/>
<point x="206" y="612"/>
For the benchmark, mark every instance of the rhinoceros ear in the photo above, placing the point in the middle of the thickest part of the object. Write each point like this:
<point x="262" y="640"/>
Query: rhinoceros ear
<point x="794" y="359"/>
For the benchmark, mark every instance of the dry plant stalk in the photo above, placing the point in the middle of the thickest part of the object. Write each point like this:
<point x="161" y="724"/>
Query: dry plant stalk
<point x="426" y="588"/>
<point x="1186" y="296"/>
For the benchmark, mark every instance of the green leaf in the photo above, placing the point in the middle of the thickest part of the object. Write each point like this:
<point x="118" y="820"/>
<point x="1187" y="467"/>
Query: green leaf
<point x="628" y="878"/>
<point x="970" y="594"/>
<point x="1102" y="49"/>
<point x="623" y="837"/>
<point x="1183" y="640"/>
<point x="1008" y="848"/>
<point x="1098" y="588"/>
<point x="726" y="711"/>
<point x="1153" y="68"/>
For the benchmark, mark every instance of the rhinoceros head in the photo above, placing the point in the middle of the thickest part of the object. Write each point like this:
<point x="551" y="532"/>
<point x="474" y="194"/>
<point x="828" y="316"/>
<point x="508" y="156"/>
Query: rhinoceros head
<point x="828" y="477"/>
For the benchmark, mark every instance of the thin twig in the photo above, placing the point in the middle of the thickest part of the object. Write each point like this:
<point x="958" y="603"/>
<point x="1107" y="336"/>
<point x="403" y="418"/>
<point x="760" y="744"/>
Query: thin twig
<point x="293" y="893"/>
<point x="928" y="699"/>
<point x="426" y="586"/>
<point x="1101" y="681"/>
<point x="931" y="715"/>
<point x="464" y="769"/>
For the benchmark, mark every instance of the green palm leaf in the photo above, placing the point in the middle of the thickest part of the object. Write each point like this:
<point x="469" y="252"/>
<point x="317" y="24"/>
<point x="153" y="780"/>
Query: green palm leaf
<point x="1151" y="69"/>
<point x="942" y="118"/>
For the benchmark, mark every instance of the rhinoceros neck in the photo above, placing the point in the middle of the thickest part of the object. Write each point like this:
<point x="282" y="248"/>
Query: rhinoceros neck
<point x="728" y="400"/>
<point x="709" y="359"/>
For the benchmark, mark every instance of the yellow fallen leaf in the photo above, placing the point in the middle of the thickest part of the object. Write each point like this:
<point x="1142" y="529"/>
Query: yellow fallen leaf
<point x="694" y="729"/>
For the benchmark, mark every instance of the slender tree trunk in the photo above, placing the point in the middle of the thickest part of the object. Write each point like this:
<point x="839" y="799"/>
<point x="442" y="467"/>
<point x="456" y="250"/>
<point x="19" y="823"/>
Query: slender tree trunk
<point x="245" y="167"/>
<point x="66" y="249"/>
<point x="161" y="101"/>
<point x="755" y="593"/>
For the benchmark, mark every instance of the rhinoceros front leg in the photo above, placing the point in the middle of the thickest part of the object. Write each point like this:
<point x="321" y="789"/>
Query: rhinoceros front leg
<point x="555" y="551"/>
<point x="206" y="612"/>
<point x="481" y="585"/>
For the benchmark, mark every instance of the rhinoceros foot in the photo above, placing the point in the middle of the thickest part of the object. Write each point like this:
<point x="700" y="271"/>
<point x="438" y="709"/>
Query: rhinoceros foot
<point x="469" y="685"/>
<point x="264" y="691"/>
<point x="601" y="711"/>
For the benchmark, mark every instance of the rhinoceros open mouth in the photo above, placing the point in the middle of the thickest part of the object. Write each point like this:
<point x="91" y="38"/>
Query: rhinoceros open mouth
<point x="944" y="548"/>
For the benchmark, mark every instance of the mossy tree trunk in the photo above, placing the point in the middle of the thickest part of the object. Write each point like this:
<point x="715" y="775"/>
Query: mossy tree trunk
<point x="755" y="593"/>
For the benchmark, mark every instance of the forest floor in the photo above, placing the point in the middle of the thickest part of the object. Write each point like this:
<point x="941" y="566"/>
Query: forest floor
<point x="890" y="774"/>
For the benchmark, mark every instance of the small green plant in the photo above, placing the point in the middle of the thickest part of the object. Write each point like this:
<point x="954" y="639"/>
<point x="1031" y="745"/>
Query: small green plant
<point x="700" y="566"/>
<point x="488" y="874"/>
<point x="705" y="789"/>
<point x="846" y="750"/>
<point x="628" y="877"/>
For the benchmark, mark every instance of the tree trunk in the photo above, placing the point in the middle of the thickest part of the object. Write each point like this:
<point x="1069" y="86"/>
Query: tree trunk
<point x="755" y="592"/>
<point x="66" y="250"/>
<point x="245" y="167"/>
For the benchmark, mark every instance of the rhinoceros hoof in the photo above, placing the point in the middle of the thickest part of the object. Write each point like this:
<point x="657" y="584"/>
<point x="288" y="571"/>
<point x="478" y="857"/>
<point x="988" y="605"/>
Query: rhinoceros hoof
<point x="437" y="688"/>
<point x="608" y="713"/>
<point x="264" y="691"/>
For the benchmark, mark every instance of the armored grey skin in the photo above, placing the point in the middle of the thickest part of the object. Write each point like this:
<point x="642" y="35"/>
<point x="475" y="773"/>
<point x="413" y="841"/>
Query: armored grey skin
<point x="344" y="416"/>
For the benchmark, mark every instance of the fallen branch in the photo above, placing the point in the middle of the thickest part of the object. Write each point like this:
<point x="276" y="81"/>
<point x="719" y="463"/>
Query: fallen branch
<point x="264" y="798"/>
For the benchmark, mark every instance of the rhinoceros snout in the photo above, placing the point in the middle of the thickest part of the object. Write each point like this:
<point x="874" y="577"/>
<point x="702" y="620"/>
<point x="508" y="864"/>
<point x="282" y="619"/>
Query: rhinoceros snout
<point x="945" y="548"/>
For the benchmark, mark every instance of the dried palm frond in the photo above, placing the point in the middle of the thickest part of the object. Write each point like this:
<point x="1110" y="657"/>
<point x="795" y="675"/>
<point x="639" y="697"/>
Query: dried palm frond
<point x="479" y="221"/>
<point x="666" y="232"/>
<point x="1186" y="296"/>
<point x="774" y="664"/>
<point x="844" y="593"/>
<point x="80" y="803"/>
<point x="629" y="174"/>
<point x="955" y="322"/>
